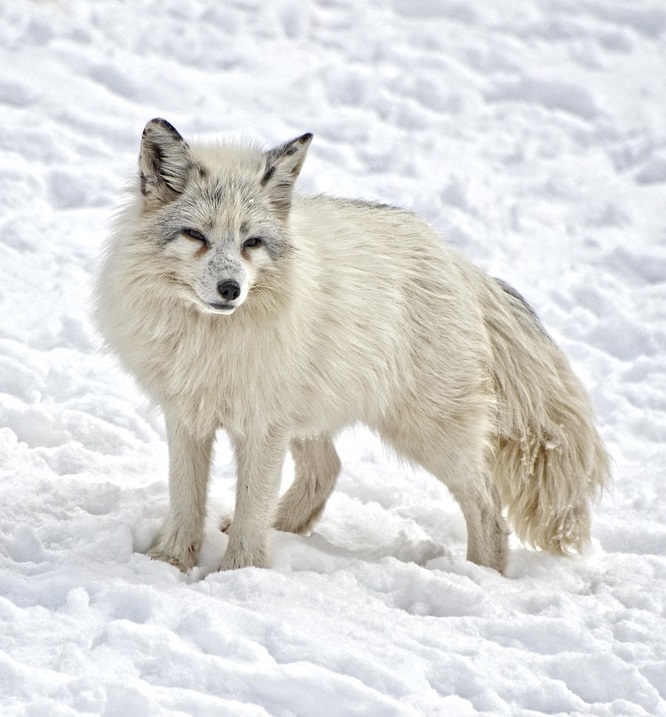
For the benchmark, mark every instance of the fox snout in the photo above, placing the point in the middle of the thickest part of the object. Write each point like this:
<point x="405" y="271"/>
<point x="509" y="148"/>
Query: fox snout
<point x="223" y="283"/>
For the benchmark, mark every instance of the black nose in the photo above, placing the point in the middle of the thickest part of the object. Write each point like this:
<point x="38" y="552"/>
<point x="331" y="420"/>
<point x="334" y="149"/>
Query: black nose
<point x="228" y="290"/>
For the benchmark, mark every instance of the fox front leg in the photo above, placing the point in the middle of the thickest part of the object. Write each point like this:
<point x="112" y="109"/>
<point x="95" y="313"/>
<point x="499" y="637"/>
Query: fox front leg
<point x="189" y="468"/>
<point x="259" y="459"/>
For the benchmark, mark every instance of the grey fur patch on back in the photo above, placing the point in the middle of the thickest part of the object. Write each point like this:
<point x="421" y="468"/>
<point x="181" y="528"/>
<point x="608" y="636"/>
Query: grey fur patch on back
<point x="521" y="305"/>
<point x="360" y="204"/>
<point x="370" y="204"/>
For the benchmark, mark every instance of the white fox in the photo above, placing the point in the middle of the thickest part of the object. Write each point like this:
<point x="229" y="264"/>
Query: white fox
<point x="282" y="318"/>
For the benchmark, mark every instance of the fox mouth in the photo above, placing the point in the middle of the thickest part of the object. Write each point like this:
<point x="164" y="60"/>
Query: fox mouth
<point x="221" y="308"/>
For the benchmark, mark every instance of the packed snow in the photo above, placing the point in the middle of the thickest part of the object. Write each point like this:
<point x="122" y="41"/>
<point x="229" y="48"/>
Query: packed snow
<point x="533" y="137"/>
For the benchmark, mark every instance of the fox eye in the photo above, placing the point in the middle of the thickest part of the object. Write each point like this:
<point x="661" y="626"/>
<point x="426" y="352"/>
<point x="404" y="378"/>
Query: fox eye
<point x="194" y="234"/>
<point x="252" y="242"/>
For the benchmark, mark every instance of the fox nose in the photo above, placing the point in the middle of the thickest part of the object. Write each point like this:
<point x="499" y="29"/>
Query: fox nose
<point x="228" y="290"/>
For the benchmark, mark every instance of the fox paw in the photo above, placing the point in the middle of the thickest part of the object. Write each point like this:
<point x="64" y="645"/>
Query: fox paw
<point x="156" y="554"/>
<point x="183" y="557"/>
<point x="244" y="557"/>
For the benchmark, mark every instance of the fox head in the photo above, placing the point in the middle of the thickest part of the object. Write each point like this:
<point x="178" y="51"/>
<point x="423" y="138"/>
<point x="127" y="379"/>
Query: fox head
<point x="217" y="213"/>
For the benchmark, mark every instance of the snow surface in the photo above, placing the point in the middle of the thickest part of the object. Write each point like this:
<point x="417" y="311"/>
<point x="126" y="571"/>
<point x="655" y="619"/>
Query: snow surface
<point x="533" y="136"/>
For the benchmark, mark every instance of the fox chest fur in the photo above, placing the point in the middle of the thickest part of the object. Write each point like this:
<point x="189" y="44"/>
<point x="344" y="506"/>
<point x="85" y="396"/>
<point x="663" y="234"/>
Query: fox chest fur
<point x="264" y="365"/>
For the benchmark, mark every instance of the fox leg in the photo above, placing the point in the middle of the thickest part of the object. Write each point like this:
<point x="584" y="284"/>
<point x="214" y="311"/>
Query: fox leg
<point x="259" y="459"/>
<point x="189" y="468"/>
<point x="317" y="468"/>
<point x="478" y="498"/>
<point x="457" y="458"/>
<point x="487" y="533"/>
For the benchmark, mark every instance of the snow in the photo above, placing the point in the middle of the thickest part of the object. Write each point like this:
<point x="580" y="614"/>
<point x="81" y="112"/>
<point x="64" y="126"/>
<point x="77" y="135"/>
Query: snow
<point x="532" y="136"/>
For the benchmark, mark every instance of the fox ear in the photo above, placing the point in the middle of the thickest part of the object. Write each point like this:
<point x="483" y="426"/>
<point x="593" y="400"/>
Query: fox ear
<point x="165" y="161"/>
<point x="283" y="165"/>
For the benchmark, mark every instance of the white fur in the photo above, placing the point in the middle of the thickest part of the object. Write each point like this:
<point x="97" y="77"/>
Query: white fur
<point x="364" y="315"/>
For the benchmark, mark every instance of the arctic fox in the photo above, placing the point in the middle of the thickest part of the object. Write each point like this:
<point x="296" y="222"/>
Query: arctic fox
<point x="282" y="318"/>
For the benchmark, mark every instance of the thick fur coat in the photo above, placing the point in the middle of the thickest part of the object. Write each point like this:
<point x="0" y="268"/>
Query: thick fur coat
<point x="281" y="318"/>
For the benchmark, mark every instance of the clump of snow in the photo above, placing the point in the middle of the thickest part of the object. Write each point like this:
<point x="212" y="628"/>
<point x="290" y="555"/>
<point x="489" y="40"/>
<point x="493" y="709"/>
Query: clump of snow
<point x="532" y="136"/>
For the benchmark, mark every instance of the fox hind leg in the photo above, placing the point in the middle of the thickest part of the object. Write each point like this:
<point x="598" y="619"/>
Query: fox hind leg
<point x="487" y="532"/>
<point x="317" y="468"/>
<point x="457" y="458"/>
<point x="479" y="500"/>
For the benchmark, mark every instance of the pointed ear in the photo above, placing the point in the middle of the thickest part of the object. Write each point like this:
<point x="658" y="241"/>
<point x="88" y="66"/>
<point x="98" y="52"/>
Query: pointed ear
<point x="165" y="161"/>
<point x="283" y="165"/>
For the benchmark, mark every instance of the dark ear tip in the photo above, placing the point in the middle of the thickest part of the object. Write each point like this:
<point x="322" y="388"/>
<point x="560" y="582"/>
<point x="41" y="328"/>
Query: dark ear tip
<point x="307" y="137"/>
<point x="158" y="122"/>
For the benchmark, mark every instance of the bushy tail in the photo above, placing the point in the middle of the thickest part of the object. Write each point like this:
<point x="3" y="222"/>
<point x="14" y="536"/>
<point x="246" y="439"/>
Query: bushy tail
<point x="550" y="461"/>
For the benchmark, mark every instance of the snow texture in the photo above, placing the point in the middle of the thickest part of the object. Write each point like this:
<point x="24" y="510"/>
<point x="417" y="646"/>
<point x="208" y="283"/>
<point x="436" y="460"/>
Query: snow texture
<point x="532" y="136"/>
